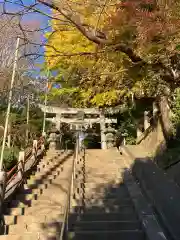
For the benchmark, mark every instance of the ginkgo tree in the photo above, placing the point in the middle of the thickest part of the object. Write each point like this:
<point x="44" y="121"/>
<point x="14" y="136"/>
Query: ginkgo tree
<point x="92" y="74"/>
<point x="113" y="48"/>
<point x="138" y="40"/>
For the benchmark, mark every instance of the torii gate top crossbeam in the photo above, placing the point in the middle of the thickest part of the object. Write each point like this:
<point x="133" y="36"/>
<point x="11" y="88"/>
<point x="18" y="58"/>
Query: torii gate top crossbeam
<point x="57" y="110"/>
<point x="90" y="121"/>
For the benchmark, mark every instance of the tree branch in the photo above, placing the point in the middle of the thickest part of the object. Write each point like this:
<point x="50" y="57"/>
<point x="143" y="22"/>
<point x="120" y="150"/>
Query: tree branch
<point x="94" y="36"/>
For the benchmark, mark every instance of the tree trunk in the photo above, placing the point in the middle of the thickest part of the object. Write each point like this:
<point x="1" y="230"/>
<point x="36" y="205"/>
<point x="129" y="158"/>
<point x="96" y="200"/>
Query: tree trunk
<point x="165" y="117"/>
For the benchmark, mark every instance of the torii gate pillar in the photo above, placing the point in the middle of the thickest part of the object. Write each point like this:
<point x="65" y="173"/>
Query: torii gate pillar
<point x="58" y="121"/>
<point x="103" y="129"/>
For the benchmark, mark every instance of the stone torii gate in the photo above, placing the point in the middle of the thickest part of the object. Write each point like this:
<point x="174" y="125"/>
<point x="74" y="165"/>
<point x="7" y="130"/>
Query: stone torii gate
<point x="59" y="112"/>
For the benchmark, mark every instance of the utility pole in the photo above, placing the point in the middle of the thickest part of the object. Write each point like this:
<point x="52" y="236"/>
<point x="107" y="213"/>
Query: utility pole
<point x="27" y="120"/>
<point x="9" y="103"/>
<point x="45" y="103"/>
<point x="9" y="136"/>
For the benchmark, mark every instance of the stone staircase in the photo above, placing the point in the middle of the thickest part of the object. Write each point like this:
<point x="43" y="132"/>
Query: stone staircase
<point x="104" y="202"/>
<point x="104" y="209"/>
<point x="36" y="210"/>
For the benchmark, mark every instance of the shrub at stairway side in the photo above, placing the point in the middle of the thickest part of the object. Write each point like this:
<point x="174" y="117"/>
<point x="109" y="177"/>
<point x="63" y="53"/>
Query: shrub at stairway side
<point x="10" y="157"/>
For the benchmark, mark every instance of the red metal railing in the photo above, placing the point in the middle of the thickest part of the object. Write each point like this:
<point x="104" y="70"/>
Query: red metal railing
<point x="27" y="156"/>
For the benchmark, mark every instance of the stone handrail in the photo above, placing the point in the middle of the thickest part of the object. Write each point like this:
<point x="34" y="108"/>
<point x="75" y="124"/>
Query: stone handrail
<point x="153" y="120"/>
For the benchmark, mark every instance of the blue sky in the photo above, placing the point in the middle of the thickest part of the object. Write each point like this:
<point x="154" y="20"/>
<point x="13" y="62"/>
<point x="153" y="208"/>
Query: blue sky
<point x="36" y="18"/>
<point x="14" y="7"/>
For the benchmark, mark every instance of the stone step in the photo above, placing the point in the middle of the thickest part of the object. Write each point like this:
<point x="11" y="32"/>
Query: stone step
<point x="37" y="191"/>
<point x="45" y="162"/>
<point x="54" y="153"/>
<point x="59" y="200"/>
<point x="51" y="162"/>
<point x="106" y="235"/>
<point x="51" y="227"/>
<point x="56" y="161"/>
<point x="105" y="209"/>
<point x="31" y="235"/>
<point x="27" y="200"/>
<point x="36" y="182"/>
<point x="45" y="206"/>
<point x="14" y="211"/>
<point x="52" y="169"/>
<point x="17" y="204"/>
<point x="41" y="179"/>
<point x="92" y="196"/>
<point x="51" y="159"/>
<point x="114" y="186"/>
<point x="9" y="220"/>
<point x="101" y="202"/>
<point x="105" y="202"/>
<point x="41" y="218"/>
<point x="118" y="194"/>
<point x="32" y="202"/>
<point x="44" y="175"/>
<point x="104" y="217"/>
<point x="22" y="196"/>
<point x="105" y="225"/>
<point x="36" y="187"/>
<point x="98" y="181"/>
<point x="45" y="169"/>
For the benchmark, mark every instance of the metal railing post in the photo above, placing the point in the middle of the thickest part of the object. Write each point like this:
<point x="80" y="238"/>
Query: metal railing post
<point x="21" y="164"/>
<point x="65" y="227"/>
<point x="76" y="151"/>
<point x="35" y="148"/>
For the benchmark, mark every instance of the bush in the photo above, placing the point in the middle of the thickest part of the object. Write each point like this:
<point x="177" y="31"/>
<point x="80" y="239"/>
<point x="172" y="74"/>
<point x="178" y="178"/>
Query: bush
<point x="170" y="156"/>
<point x="10" y="157"/>
<point x="176" y="113"/>
<point x="131" y="140"/>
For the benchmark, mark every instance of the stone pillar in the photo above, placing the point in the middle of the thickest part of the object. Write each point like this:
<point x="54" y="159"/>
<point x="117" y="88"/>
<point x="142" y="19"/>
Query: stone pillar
<point x="155" y="109"/>
<point x="44" y="134"/>
<point x="139" y="132"/>
<point x="52" y="139"/>
<point x="146" y="120"/>
<point x="58" y="121"/>
<point x="54" y="136"/>
<point x="103" y="129"/>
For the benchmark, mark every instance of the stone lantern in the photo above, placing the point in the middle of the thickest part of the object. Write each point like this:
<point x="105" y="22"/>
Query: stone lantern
<point x="54" y="138"/>
<point x="110" y="136"/>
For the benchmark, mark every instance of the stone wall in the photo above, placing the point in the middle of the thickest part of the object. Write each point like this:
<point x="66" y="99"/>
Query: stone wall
<point x="153" y="138"/>
<point x="163" y="193"/>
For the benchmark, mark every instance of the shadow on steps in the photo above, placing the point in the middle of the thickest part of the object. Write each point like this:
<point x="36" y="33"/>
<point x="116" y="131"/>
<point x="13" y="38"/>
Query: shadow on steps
<point x="19" y="199"/>
<point x="104" y="209"/>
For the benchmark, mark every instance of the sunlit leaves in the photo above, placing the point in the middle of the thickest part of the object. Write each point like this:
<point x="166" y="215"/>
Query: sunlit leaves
<point x="105" y="77"/>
